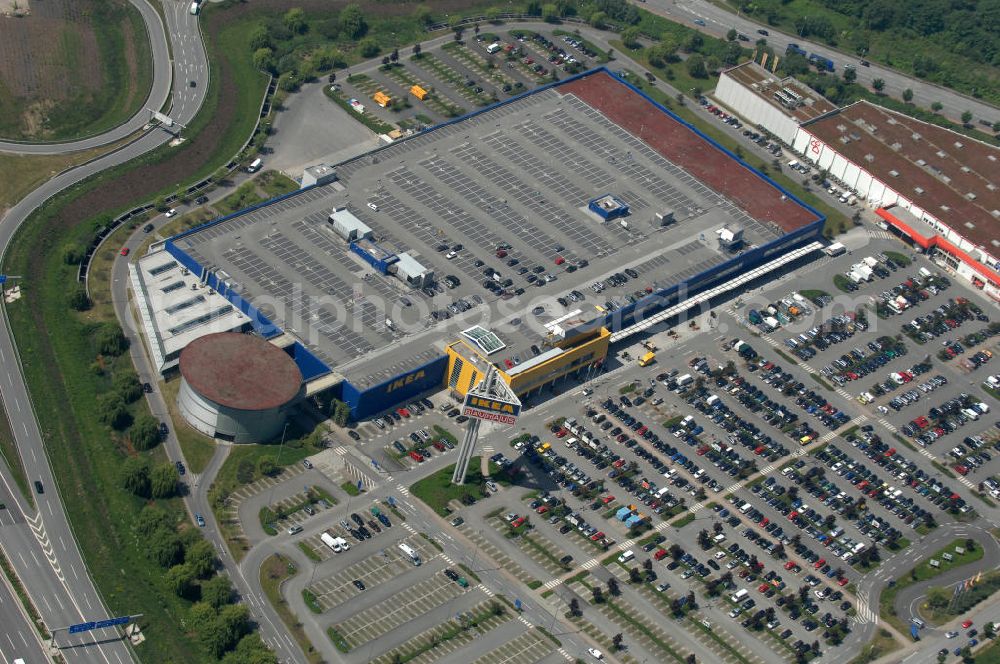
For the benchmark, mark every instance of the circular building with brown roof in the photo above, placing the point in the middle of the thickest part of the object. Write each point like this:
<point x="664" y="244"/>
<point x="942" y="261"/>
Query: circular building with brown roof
<point x="237" y="387"/>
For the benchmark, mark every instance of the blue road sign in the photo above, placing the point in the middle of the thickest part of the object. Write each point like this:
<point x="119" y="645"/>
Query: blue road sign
<point x="112" y="622"/>
<point x="100" y="624"/>
<point x="517" y="604"/>
<point x="359" y="485"/>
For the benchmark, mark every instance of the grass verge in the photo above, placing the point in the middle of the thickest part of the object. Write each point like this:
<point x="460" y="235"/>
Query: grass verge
<point x="309" y="551"/>
<point x="437" y="491"/>
<point x="351" y="489"/>
<point x="920" y="573"/>
<point x="273" y="572"/>
<point x="310" y="599"/>
<point x="10" y="454"/>
<point x="198" y="448"/>
<point x="340" y="642"/>
<point x="821" y="382"/>
<point x="684" y="520"/>
<point x="881" y="644"/>
<point x="22" y="595"/>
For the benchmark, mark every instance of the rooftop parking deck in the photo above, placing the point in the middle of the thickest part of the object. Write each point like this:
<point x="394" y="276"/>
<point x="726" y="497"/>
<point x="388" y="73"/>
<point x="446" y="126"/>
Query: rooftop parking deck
<point x="508" y="190"/>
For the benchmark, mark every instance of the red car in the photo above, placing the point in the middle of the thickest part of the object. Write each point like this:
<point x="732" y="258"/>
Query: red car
<point x="124" y="251"/>
<point x="966" y="624"/>
<point x="789" y="565"/>
<point x="660" y="554"/>
<point x="607" y="499"/>
<point x="962" y="470"/>
<point x="543" y="509"/>
<point x="596" y="537"/>
<point x="403" y="412"/>
<point x="762" y="587"/>
<point x="842" y="581"/>
<point x="764" y="522"/>
<point x="518" y="522"/>
<point x="819" y="563"/>
<point x="416" y="457"/>
<point x="560" y="260"/>
<point x="562" y="433"/>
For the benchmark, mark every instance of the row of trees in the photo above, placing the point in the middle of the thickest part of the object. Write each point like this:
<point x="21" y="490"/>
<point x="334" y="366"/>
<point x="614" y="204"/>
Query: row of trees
<point x="141" y="478"/>
<point x="190" y="565"/>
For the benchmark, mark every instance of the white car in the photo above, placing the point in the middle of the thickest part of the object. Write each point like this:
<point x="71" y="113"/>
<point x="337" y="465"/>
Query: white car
<point x="170" y="213"/>
<point x="373" y="206"/>
<point x="951" y="635"/>
<point x="595" y="653"/>
<point x="451" y="254"/>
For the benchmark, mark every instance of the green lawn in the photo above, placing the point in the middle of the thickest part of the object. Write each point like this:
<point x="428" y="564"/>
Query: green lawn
<point x="898" y="258"/>
<point x="920" y="573"/>
<point x="58" y="350"/>
<point x="196" y="446"/>
<point x="881" y="644"/>
<point x="351" y="489"/>
<point x="274" y="183"/>
<point x="437" y="490"/>
<point x="123" y="61"/>
<point x="274" y="572"/>
<point x="989" y="654"/>
<point x="8" y="450"/>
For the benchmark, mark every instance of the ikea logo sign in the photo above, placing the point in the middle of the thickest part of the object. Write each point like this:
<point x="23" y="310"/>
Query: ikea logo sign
<point x="405" y="380"/>
<point x="492" y="405"/>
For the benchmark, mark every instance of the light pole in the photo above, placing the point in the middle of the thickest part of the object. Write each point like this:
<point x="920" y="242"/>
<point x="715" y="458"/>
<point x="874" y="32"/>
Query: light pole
<point x="277" y="461"/>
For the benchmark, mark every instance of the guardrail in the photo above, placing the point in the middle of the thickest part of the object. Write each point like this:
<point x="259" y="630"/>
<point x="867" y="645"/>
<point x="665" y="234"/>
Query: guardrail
<point x="84" y="269"/>
<point x="510" y="16"/>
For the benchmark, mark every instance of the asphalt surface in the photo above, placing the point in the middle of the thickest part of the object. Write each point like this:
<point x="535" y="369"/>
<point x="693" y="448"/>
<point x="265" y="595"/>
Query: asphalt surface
<point x="42" y="547"/>
<point x="272" y="630"/>
<point x="159" y="91"/>
<point x="61" y="588"/>
<point x="718" y="22"/>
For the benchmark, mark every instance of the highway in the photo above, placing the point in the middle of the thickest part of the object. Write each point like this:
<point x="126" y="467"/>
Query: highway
<point x="272" y="630"/>
<point x="159" y="93"/>
<point x="41" y="545"/>
<point x="718" y="22"/>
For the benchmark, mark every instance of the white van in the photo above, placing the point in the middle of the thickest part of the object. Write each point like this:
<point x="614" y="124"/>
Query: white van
<point x="626" y="556"/>
<point x="255" y="165"/>
<point x="193" y="10"/>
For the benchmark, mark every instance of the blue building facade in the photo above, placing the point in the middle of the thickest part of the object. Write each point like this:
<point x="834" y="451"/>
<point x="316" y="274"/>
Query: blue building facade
<point x="368" y="401"/>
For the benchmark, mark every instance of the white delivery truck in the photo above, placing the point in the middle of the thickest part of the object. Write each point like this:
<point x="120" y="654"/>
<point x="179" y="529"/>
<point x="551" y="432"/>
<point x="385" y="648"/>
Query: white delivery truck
<point x="331" y="542"/>
<point x="835" y="249"/>
<point x="410" y="553"/>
